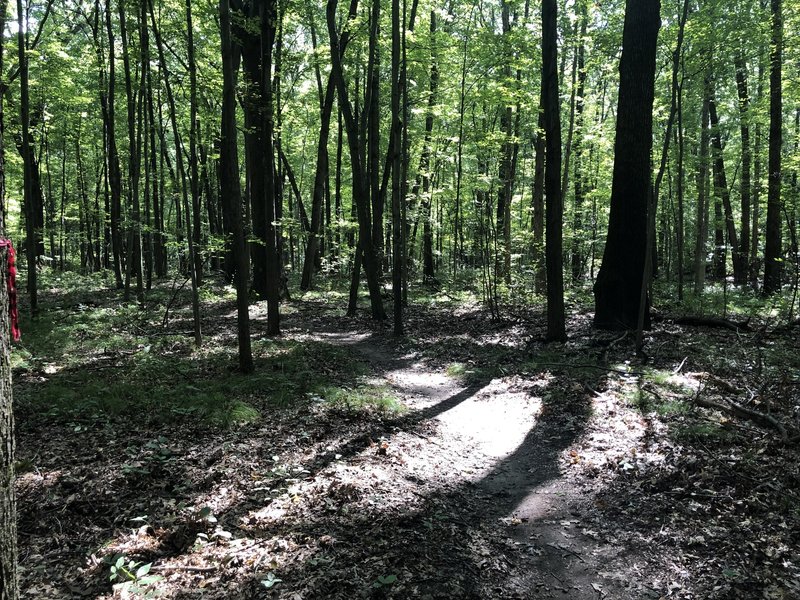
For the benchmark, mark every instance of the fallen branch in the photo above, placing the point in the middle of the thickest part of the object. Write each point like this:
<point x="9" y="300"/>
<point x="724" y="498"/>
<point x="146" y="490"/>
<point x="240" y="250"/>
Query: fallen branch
<point x="586" y="366"/>
<point x="733" y="408"/>
<point x="188" y="568"/>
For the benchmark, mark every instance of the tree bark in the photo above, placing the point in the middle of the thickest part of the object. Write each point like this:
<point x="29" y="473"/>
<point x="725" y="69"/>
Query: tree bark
<point x="556" y="330"/>
<point x="9" y="584"/>
<point x="772" y="250"/>
<point x="619" y="282"/>
<point x="703" y="185"/>
<point x="198" y="336"/>
<point x="747" y="159"/>
<point x="114" y="171"/>
<point x="230" y="186"/>
<point x="360" y="182"/>
<point x="721" y="189"/>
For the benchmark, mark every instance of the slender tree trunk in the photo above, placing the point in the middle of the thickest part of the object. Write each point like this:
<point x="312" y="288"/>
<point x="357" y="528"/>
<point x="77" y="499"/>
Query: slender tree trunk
<point x="115" y="173"/>
<point x="577" y="207"/>
<point x="556" y="330"/>
<point x="537" y="204"/>
<point x="397" y="226"/>
<point x="679" y="176"/>
<point x="428" y="267"/>
<point x="721" y="189"/>
<point x="772" y="251"/>
<point x="360" y="182"/>
<point x="747" y="159"/>
<point x="133" y="265"/>
<point x="194" y="175"/>
<point x="198" y="336"/>
<point x="505" y="175"/>
<point x="31" y="241"/>
<point x="320" y="179"/>
<point x="703" y="184"/>
<point x="229" y="184"/>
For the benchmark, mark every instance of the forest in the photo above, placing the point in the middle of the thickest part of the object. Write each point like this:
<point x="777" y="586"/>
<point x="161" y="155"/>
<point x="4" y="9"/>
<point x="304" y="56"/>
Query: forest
<point x="408" y="299"/>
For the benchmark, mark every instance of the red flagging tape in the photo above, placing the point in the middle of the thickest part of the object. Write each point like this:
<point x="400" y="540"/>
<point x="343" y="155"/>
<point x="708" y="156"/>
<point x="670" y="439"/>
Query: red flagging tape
<point x="11" y="280"/>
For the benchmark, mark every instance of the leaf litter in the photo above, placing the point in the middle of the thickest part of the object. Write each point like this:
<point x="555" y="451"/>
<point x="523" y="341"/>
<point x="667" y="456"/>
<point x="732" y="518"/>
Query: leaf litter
<point x="510" y="469"/>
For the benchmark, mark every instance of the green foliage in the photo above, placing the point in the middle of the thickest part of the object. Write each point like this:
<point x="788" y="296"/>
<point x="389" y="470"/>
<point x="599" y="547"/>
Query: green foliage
<point x="133" y="577"/>
<point x="364" y="399"/>
<point x="111" y="363"/>
<point x="384" y="581"/>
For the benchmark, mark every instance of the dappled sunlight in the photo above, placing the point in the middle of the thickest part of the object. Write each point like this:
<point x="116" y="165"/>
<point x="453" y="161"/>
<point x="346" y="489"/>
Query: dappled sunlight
<point x="496" y="419"/>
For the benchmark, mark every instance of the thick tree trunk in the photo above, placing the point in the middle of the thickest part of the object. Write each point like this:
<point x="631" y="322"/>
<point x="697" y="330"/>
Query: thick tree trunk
<point x="9" y="585"/>
<point x="619" y="282"/>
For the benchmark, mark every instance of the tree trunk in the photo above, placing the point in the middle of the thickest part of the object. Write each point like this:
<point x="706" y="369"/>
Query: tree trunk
<point x="703" y="184"/>
<point x="194" y="175"/>
<point x="619" y="283"/>
<point x="133" y="264"/>
<point x="552" y="177"/>
<point x="229" y="184"/>
<point x="577" y="207"/>
<point x="772" y="250"/>
<point x="537" y="204"/>
<point x="360" y="182"/>
<point x="198" y="336"/>
<point x="9" y="584"/>
<point x="320" y="179"/>
<point x="114" y="171"/>
<point x="31" y="241"/>
<point x="428" y="267"/>
<point x="397" y="225"/>
<point x="745" y="182"/>
<point x="721" y="189"/>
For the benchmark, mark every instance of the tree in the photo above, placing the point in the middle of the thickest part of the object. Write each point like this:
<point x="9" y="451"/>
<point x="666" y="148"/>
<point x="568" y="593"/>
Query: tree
<point x="8" y="521"/>
<point x="772" y="249"/>
<point x="9" y="589"/>
<point x="397" y="225"/>
<point x="366" y="248"/>
<point x="619" y="282"/>
<point x="554" y="205"/>
<point x="230" y="185"/>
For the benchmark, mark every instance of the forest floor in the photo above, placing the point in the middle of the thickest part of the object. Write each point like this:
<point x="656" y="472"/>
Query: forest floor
<point x="467" y="459"/>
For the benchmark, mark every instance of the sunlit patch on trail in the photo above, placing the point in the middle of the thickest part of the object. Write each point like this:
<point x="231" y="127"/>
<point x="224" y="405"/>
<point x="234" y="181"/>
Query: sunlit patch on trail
<point x="497" y="418"/>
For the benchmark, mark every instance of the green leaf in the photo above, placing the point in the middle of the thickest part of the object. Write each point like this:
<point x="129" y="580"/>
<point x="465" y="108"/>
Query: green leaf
<point x="143" y="570"/>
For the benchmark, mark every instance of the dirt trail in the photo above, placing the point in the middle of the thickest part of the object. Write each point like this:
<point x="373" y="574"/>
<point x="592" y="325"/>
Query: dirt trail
<point x="508" y="459"/>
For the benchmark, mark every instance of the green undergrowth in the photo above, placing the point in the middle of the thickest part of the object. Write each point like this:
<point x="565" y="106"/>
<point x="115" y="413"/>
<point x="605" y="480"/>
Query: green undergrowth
<point x="91" y="363"/>
<point x="363" y="399"/>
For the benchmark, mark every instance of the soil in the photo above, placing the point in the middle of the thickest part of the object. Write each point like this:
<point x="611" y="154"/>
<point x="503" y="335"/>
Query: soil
<point x="526" y="472"/>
